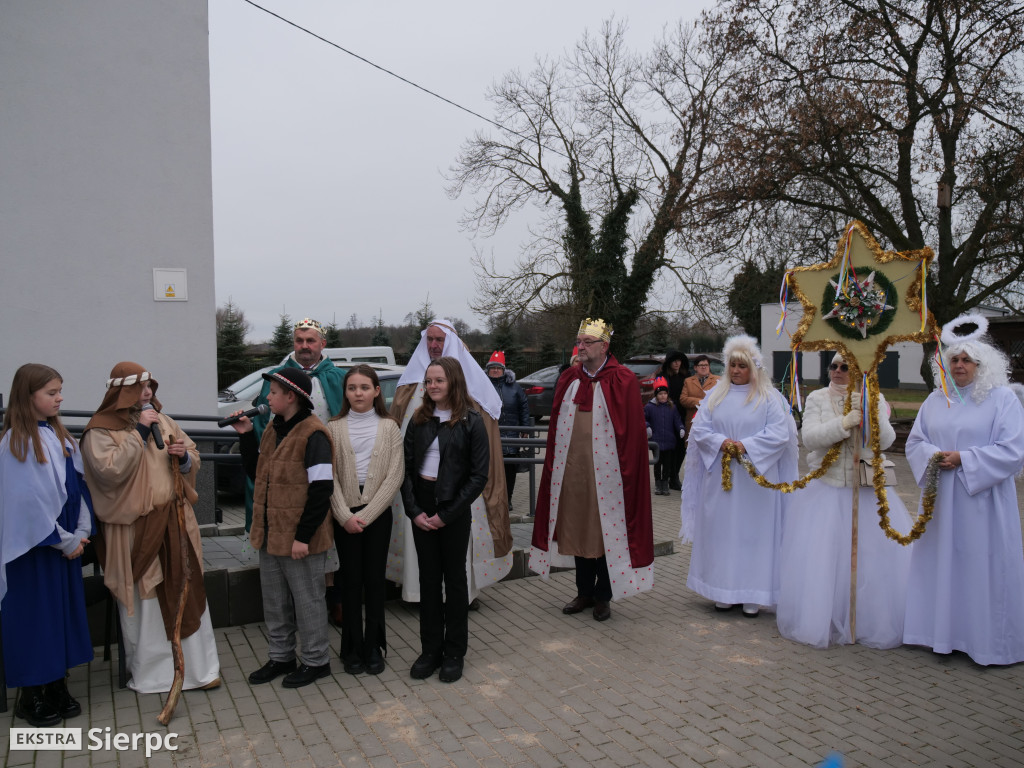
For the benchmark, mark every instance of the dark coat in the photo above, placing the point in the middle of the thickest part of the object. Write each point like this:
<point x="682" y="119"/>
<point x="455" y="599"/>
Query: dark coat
<point x="462" y="472"/>
<point x="515" y="409"/>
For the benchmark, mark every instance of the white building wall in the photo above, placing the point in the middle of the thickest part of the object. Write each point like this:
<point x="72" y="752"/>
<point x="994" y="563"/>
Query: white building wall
<point x="910" y="358"/>
<point x="105" y="157"/>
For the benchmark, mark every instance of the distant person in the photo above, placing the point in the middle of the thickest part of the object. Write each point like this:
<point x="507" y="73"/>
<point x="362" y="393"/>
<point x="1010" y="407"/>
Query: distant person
<point x="696" y="387"/>
<point x="515" y="412"/>
<point x="130" y="471"/>
<point x="291" y="528"/>
<point x="817" y="525"/>
<point x="45" y="525"/>
<point x="966" y="586"/>
<point x="664" y="427"/>
<point x="490" y="546"/>
<point x="675" y="371"/>
<point x="596" y="481"/>
<point x="369" y="468"/>
<point x="736" y="534"/>
<point x="446" y="464"/>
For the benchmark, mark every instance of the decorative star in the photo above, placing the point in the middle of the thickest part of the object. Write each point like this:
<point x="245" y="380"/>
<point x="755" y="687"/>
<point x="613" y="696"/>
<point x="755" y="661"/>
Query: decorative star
<point x="808" y="284"/>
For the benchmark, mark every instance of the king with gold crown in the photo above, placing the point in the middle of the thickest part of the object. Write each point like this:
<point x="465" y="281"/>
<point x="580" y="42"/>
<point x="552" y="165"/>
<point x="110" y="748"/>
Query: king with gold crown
<point x="594" y="502"/>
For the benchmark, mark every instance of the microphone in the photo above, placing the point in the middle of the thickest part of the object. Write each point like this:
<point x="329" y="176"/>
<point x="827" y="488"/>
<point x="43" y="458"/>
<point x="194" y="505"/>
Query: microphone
<point x="260" y="410"/>
<point x="154" y="428"/>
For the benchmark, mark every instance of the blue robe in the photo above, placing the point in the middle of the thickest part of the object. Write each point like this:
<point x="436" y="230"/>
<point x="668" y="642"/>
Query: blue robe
<point x="45" y="630"/>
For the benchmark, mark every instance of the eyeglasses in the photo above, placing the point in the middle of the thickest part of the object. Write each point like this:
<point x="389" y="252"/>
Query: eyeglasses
<point x="839" y="367"/>
<point x="702" y="365"/>
<point x="585" y="343"/>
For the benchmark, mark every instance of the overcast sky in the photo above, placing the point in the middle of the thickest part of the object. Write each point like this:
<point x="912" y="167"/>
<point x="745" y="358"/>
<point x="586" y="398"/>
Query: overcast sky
<point x="328" y="174"/>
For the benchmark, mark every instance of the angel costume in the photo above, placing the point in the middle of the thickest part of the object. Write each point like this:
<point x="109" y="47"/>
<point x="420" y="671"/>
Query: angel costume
<point x="133" y="492"/>
<point x="490" y="543"/>
<point x="736" y="534"/>
<point x="966" y="588"/>
<point x="814" y="572"/>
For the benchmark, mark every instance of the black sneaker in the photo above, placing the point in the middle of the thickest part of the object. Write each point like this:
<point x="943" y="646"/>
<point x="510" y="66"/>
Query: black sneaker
<point x="374" y="663"/>
<point x="270" y="671"/>
<point x="451" y="669"/>
<point x="305" y="675"/>
<point x="425" y="666"/>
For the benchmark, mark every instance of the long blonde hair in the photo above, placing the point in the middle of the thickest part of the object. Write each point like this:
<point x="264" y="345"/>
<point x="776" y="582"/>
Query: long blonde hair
<point x="742" y="349"/>
<point x="20" y="420"/>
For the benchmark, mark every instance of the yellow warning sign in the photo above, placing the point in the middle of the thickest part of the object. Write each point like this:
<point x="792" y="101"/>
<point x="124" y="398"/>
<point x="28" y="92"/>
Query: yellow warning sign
<point x="169" y="291"/>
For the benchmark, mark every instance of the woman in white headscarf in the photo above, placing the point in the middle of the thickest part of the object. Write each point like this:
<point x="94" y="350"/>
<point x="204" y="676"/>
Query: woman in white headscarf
<point x="815" y="570"/>
<point x="966" y="588"/>
<point x="736" y="533"/>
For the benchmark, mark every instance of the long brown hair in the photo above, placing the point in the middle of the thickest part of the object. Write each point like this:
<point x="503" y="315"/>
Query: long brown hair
<point x="20" y="420"/>
<point x="378" y="402"/>
<point x="458" y="393"/>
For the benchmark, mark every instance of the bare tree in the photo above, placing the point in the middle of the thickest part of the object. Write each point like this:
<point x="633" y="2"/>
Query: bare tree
<point x="612" y="147"/>
<point x="905" y="114"/>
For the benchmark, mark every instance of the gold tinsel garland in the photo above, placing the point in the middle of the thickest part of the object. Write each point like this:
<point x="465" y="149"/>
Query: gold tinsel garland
<point x="731" y="452"/>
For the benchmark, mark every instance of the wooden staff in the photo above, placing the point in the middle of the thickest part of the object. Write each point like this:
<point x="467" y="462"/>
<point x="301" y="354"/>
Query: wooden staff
<point x="853" y="542"/>
<point x="179" y="657"/>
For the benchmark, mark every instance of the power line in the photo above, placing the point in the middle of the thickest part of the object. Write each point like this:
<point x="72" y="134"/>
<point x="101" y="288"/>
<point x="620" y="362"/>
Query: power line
<point x="407" y="81"/>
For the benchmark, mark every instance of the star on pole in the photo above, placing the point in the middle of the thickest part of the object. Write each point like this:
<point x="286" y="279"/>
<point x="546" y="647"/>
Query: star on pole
<point x="858" y="253"/>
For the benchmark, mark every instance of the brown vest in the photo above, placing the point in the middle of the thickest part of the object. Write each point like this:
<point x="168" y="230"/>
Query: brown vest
<point x="281" y="490"/>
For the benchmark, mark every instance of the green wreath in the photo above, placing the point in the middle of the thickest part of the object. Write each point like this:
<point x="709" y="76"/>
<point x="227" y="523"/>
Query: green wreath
<point x="849" y="315"/>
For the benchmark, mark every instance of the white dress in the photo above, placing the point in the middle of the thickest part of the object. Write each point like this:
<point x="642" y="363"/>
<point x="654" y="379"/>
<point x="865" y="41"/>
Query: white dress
<point x="736" y="534"/>
<point x="966" y="590"/>
<point x="814" y="577"/>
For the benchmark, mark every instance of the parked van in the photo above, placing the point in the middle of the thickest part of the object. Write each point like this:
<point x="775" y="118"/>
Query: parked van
<point x="385" y="355"/>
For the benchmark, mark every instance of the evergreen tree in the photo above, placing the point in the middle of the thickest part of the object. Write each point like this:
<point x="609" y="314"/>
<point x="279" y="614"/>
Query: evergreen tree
<point x="282" y="343"/>
<point x="751" y="288"/>
<point x="424" y="316"/>
<point x="549" y="354"/>
<point x="231" y="352"/>
<point x="333" y="335"/>
<point x="503" y="338"/>
<point x="380" y="333"/>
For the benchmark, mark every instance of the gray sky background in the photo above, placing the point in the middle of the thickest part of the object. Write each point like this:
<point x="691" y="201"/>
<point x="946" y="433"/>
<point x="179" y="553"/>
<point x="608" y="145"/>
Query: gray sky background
<point x="328" y="174"/>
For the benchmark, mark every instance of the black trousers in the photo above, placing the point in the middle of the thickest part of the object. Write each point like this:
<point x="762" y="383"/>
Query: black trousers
<point x="663" y="466"/>
<point x="592" y="579"/>
<point x="511" y="470"/>
<point x="362" y="584"/>
<point x="444" y="590"/>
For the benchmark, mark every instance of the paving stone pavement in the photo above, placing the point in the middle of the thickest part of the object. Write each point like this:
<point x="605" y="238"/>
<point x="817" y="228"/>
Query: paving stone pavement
<point x="666" y="682"/>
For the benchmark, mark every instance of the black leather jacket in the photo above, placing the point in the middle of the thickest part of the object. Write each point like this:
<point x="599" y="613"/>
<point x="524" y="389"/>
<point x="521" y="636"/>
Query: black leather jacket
<point x="462" y="472"/>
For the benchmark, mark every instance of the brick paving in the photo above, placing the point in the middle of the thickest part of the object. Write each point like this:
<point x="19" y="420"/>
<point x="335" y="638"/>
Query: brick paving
<point x="666" y="682"/>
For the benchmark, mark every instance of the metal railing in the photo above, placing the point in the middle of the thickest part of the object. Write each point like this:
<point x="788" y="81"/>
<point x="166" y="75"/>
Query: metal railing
<point x="222" y="441"/>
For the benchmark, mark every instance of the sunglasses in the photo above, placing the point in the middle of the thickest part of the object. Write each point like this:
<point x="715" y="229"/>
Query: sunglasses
<point x="839" y="367"/>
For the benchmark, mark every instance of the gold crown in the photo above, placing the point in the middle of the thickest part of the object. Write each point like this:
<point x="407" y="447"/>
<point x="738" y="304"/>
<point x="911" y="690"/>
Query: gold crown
<point x="596" y="327"/>
<point x="308" y="323"/>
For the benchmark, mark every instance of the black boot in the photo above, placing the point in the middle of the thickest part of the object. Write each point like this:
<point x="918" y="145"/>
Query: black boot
<point x="61" y="700"/>
<point x="34" y="706"/>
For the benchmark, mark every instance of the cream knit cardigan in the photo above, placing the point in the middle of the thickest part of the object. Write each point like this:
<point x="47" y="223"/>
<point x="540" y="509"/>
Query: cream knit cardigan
<point x="384" y="475"/>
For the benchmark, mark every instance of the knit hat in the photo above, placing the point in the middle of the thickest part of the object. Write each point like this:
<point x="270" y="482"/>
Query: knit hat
<point x="295" y="380"/>
<point x="497" y="359"/>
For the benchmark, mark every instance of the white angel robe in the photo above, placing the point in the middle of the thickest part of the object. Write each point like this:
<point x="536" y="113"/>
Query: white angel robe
<point x="736" y="534"/>
<point x="966" y="587"/>
<point x="814" y="574"/>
